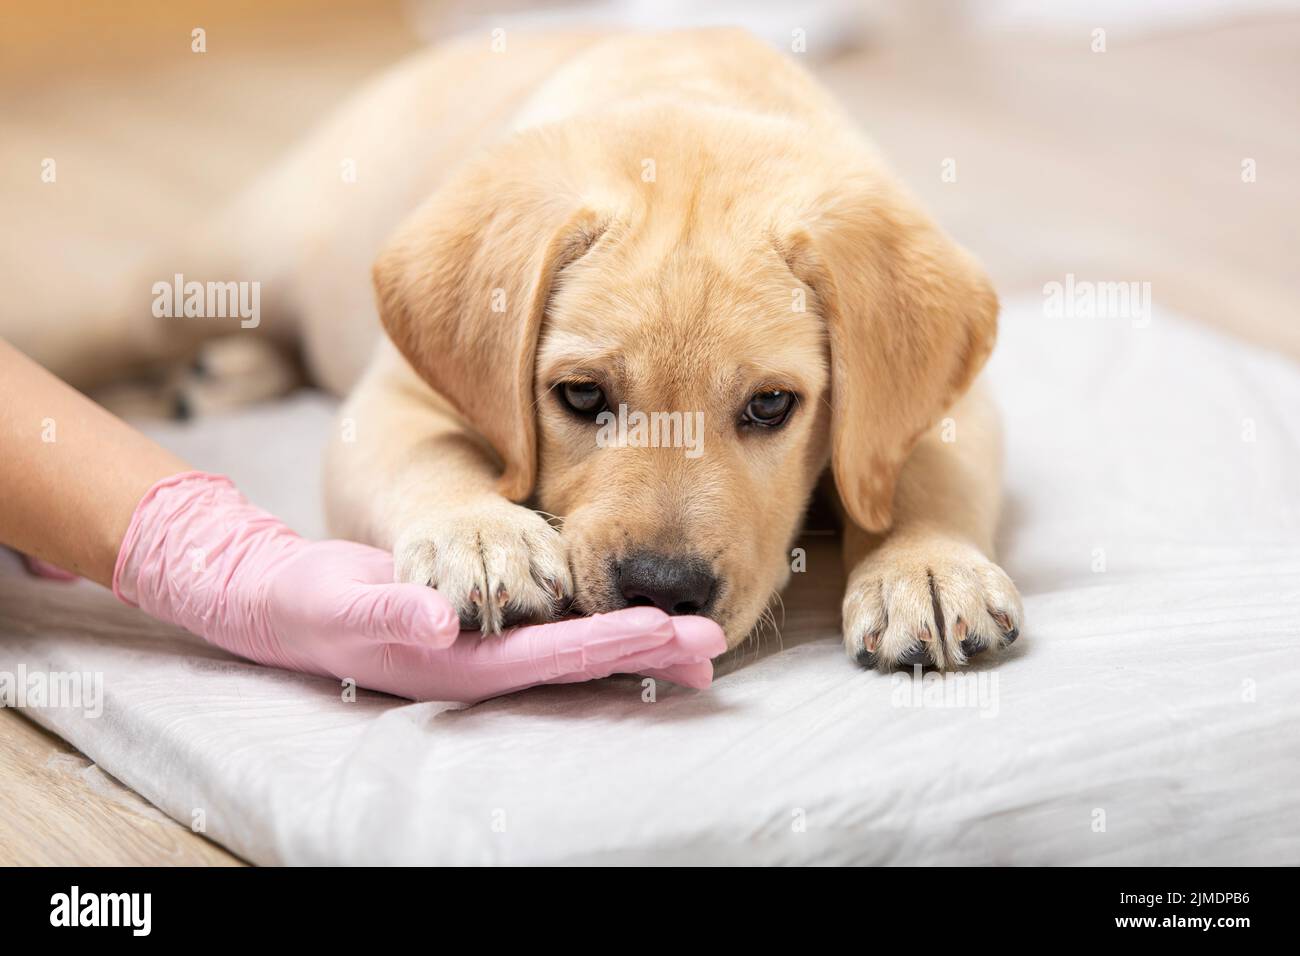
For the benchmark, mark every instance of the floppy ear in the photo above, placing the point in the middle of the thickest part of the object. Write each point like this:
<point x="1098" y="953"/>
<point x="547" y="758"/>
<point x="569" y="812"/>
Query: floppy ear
<point x="911" y="319"/>
<point x="463" y="287"/>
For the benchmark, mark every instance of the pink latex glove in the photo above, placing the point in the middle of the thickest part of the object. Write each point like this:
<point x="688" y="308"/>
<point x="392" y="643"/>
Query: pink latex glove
<point x="199" y="555"/>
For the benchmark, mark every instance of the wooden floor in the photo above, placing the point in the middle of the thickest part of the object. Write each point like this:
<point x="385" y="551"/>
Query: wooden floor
<point x="1123" y="165"/>
<point x="59" y="809"/>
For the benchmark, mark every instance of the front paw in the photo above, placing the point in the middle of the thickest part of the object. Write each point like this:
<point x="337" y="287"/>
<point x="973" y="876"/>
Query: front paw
<point x="498" y="564"/>
<point x="931" y="602"/>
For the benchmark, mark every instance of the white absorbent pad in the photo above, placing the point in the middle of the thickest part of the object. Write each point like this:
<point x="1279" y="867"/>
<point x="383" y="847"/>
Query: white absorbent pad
<point x="1150" y="712"/>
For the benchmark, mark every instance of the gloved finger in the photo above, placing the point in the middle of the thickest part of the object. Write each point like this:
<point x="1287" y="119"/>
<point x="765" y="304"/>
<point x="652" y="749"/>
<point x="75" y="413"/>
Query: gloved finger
<point x="700" y="636"/>
<point x="671" y="654"/>
<point x="421" y="673"/>
<point x="542" y="653"/>
<point x="632" y="641"/>
<point x="400" y="614"/>
<point x="477" y="668"/>
<point x="697" y="674"/>
<point x="693" y="640"/>
<point x="697" y="640"/>
<point x="43" y="569"/>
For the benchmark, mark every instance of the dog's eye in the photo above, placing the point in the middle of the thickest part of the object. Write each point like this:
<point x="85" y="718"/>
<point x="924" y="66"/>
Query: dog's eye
<point x="583" y="398"/>
<point x="768" y="409"/>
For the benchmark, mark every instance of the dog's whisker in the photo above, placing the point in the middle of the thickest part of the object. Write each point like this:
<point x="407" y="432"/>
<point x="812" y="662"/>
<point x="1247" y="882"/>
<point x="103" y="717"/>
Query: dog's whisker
<point x="764" y="622"/>
<point x="756" y="638"/>
<point x="555" y="521"/>
<point x="538" y="401"/>
<point x="776" y="597"/>
<point x="776" y="628"/>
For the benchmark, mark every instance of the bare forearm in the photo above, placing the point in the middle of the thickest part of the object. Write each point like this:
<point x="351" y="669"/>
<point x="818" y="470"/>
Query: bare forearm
<point x="71" y="474"/>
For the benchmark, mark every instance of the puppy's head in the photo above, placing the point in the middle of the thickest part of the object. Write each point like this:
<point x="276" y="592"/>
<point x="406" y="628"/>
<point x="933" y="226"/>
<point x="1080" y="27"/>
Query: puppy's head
<point x="664" y="332"/>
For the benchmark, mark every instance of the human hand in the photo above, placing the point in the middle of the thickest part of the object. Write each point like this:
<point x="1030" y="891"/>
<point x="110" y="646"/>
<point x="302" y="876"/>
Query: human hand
<point x="199" y="555"/>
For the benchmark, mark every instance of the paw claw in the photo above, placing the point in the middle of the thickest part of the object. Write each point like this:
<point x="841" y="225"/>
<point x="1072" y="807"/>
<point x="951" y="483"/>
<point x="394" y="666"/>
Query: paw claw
<point x="1003" y="620"/>
<point x="916" y="654"/>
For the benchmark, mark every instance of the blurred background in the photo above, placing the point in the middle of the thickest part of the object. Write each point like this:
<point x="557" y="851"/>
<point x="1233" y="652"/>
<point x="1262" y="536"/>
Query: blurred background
<point x="1104" y="139"/>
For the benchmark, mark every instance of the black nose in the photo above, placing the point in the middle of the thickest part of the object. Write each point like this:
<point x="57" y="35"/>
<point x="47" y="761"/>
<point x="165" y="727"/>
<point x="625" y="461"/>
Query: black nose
<point x="674" y="585"/>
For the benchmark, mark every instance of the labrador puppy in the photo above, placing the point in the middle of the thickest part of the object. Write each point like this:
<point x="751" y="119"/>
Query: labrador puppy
<point x="640" y="293"/>
<point x="681" y="224"/>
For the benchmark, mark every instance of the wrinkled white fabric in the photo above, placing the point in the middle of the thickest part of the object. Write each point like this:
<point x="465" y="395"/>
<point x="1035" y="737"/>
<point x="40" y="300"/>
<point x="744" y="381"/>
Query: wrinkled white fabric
<point x="1149" y="713"/>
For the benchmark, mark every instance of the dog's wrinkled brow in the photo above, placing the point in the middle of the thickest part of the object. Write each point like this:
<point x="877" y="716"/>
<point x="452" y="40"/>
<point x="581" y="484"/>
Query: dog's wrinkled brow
<point x="565" y="353"/>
